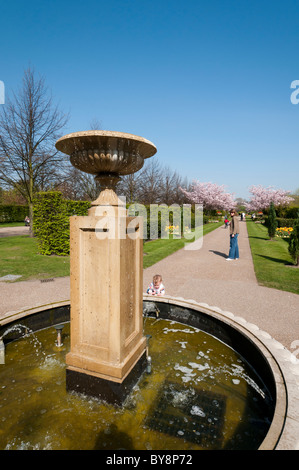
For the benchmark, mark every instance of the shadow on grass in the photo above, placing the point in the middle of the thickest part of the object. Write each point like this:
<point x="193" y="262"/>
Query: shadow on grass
<point x="276" y="260"/>
<point x="260" y="238"/>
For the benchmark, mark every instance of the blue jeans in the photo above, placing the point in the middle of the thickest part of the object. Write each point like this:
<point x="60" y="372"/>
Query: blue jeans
<point x="233" y="247"/>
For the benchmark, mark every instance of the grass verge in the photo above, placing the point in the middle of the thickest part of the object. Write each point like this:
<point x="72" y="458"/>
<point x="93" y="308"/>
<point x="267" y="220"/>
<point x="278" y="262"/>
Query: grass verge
<point x="273" y="264"/>
<point x="19" y="256"/>
<point x="11" y="224"/>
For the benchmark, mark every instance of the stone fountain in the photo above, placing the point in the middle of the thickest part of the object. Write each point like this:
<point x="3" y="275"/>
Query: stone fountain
<point x="227" y="385"/>
<point x="108" y="350"/>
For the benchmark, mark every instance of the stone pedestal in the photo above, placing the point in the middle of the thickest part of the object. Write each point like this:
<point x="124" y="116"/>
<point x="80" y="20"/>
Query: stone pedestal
<point x="108" y="349"/>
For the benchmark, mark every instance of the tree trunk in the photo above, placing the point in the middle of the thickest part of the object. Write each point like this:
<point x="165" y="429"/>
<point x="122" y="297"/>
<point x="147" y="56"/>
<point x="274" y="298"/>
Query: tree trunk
<point x="31" y="234"/>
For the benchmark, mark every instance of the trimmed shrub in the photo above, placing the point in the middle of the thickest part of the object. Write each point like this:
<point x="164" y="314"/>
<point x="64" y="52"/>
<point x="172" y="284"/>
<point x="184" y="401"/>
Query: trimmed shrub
<point x="77" y="207"/>
<point x="282" y="222"/>
<point x="51" y="227"/>
<point x="294" y="242"/>
<point x="50" y="223"/>
<point x="272" y="223"/>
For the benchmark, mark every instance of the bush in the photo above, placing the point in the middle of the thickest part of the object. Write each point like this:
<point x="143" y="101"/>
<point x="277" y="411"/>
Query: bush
<point x="13" y="213"/>
<point x="77" y="207"/>
<point x="287" y="212"/>
<point x="51" y="221"/>
<point x="294" y="242"/>
<point x="271" y="222"/>
<point x="282" y="222"/>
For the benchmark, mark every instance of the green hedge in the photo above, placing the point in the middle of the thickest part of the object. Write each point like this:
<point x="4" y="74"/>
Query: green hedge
<point x="287" y="212"/>
<point x="51" y="221"/>
<point x="77" y="207"/>
<point x="13" y="213"/>
<point x="282" y="222"/>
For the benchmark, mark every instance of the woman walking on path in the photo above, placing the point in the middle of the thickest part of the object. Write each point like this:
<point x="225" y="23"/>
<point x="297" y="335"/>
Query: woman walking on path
<point x="234" y="232"/>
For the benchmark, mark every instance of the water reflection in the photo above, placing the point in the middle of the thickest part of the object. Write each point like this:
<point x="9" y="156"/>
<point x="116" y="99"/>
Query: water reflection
<point x="190" y="413"/>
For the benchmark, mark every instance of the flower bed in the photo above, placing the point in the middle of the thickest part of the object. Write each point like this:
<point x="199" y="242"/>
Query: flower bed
<point x="172" y="229"/>
<point x="284" y="232"/>
<point x="175" y="229"/>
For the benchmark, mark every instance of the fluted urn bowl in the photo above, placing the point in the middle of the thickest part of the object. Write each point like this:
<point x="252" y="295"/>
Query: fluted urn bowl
<point x="106" y="153"/>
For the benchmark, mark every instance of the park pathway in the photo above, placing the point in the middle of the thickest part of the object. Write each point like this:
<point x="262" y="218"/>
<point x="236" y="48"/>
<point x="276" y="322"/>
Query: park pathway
<point x="203" y="275"/>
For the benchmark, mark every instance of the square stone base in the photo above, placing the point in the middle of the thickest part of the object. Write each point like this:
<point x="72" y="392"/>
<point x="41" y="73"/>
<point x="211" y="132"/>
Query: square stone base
<point x="107" y="390"/>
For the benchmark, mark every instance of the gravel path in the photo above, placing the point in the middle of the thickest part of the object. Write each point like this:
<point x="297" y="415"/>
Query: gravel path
<point x="13" y="231"/>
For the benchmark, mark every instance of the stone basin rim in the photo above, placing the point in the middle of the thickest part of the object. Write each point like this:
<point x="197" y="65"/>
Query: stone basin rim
<point x="65" y="143"/>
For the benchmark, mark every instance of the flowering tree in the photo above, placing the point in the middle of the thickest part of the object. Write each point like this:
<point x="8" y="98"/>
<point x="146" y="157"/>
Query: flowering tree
<point x="262" y="198"/>
<point x="210" y="195"/>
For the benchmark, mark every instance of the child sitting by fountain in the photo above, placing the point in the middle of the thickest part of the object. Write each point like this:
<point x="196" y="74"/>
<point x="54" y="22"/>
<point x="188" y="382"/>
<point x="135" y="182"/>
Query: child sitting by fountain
<point x="156" y="287"/>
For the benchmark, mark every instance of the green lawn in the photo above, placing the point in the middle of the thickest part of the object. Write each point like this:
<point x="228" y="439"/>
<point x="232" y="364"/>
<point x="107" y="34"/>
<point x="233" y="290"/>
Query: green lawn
<point x="19" y="256"/>
<point x="12" y="224"/>
<point x="272" y="262"/>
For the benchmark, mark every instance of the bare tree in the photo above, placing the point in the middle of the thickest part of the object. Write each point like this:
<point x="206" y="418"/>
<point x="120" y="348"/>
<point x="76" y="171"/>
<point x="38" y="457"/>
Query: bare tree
<point x="90" y="187"/>
<point x="150" y="182"/>
<point x="178" y="195"/>
<point x="95" y="124"/>
<point x="169" y="190"/>
<point x="78" y="186"/>
<point x="129" y="186"/>
<point x="30" y="124"/>
<point x="153" y="184"/>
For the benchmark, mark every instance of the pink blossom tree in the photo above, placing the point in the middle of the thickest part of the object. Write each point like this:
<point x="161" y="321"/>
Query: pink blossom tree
<point x="210" y="195"/>
<point x="262" y="198"/>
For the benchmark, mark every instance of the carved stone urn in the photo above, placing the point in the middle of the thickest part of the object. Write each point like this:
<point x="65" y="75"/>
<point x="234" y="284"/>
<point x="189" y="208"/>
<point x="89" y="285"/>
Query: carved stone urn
<point x="107" y="155"/>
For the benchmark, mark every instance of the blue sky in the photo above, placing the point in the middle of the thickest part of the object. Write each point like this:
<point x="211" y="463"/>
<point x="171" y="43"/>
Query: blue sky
<point x="208" y="82"/>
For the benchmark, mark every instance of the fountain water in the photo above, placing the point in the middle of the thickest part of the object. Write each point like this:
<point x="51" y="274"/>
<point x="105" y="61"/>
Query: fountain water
<point x="14" y="328"/>
<point x="59" y="329"/>
<point x="205" y="396"/>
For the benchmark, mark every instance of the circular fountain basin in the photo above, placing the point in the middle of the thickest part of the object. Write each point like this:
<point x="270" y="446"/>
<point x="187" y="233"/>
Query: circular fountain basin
<point x="250" y="371"/>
